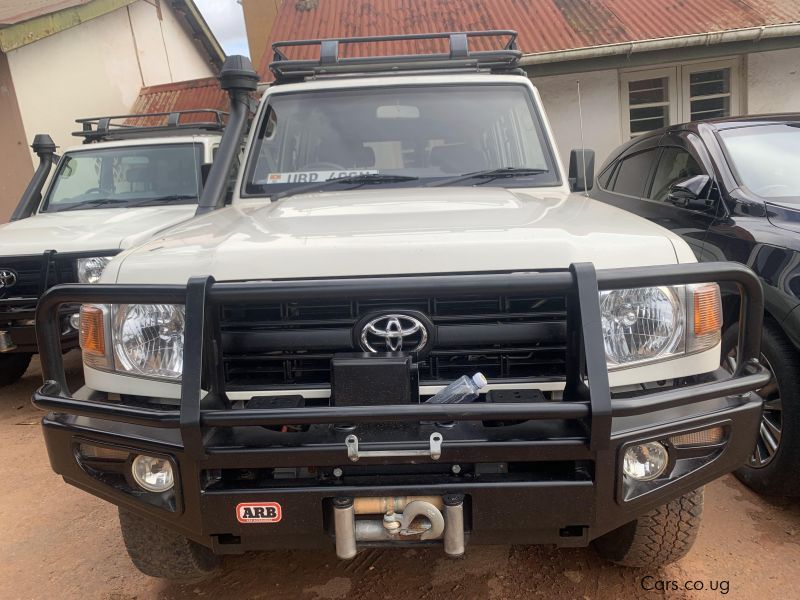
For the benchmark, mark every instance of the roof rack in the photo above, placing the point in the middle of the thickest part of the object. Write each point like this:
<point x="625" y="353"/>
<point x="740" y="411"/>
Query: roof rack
<point x="95" y="129"/>
<point x="503" y="59"/>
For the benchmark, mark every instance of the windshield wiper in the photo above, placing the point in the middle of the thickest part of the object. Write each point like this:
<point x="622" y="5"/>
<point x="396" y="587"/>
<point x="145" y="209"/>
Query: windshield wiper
<point x="489" y="175"/>
<point x="161" y="200"/>
<point x="363" y="179"/>
<point x="91" y="203"/>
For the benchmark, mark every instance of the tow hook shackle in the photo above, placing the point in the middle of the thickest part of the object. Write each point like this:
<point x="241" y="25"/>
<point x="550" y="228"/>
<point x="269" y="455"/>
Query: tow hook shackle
<point x="416" y="509"/>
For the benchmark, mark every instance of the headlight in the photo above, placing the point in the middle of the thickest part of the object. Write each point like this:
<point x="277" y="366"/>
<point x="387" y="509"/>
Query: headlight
<point x="90" y="269"/>
<point x="148" y="339"/>
<point x="643" y="325"/>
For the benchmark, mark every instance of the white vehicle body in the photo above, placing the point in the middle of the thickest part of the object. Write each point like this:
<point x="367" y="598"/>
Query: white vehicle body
<point x="409" y="230"/>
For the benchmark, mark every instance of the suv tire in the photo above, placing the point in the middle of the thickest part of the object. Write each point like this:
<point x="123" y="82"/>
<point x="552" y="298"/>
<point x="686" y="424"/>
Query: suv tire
<point x="159" y="552"/>
<point x="779" y="476"/>
<point x="13" y="367"/>
<point x="660" y="537"/>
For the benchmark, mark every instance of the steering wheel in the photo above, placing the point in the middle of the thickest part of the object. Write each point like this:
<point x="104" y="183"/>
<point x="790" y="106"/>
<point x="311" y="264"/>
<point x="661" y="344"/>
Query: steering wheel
<point x="318" y="166"/>
<point x="774" y="186"/>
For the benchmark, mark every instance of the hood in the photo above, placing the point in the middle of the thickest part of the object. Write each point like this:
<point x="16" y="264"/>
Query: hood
<point x="785" y="215"/>
<point x="86" y="230"/>
<point x="398" y="231"/>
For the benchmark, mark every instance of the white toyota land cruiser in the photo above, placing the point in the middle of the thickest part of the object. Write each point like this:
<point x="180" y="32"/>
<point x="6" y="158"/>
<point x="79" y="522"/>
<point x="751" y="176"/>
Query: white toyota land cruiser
<point x="265" y="376"/>
<point x="121" y="186"/>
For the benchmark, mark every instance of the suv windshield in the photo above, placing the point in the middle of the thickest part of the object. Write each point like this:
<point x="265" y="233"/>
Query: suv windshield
<point x="126" y="176"/>
<point x="421" y="134"/>
<point x="765" y="158"/>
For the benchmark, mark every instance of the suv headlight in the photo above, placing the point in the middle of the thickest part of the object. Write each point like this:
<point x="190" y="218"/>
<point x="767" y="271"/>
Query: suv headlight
<point x="90" y="269"/>
<point x="148" y="339"/>
<point x="644" y="325"/>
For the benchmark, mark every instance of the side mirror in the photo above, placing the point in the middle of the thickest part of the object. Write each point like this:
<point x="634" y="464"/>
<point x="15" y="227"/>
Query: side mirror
<point x="205" y="169"/>
<point x="581" y="170"/>
<point x="690" y="193"/>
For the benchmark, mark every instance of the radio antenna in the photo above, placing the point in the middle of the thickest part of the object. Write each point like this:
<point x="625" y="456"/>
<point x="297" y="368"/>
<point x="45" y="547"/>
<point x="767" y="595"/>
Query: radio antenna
<point x="583" y="146"/>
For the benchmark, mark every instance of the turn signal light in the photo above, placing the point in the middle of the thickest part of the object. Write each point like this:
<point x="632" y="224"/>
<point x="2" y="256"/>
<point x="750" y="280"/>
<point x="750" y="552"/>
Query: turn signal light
<point x="704" y="437"/>
<point x="92" y="336"/>
<point x="707" y="309"/>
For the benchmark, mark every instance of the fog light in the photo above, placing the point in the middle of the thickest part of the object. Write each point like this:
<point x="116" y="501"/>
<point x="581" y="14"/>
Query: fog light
<point x="645" y="462"/>
<point x="153" y="474"/>
<point x="704" y="437"/>
<point x="75" y="321"/>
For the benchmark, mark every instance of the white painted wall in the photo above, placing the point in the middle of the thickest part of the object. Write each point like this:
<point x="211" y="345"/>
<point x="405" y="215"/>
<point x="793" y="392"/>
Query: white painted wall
<point x="98" y="68"/>
<point x="773" y="81"/>
<point x="602" y="131"/>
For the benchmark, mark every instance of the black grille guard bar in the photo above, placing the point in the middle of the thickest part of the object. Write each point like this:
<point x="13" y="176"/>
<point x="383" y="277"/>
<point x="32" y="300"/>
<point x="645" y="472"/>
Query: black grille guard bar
<point x="585" y="349"/>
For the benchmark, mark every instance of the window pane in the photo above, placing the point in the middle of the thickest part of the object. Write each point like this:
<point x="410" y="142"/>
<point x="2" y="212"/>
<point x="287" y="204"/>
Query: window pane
<point x="648" y="91"/>
<point x="648" y="119"/>
<point x="404" y="130"/>
<point x="633" y="172"/>
<point x="708" y="83"/>
<point x="766" y="159"/>
<point x="711" y="108"/>
<point x="675" y="164"/>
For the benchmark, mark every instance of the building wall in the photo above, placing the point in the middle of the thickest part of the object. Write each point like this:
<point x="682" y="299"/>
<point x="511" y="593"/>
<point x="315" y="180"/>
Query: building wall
<point x="259" y="17"/>
<point x="98" y="68"/>
<point x="770" y="84"/>
<point x="773" y="81"/>
<point x="602" y="130"/>
<point x="17" y="165"/>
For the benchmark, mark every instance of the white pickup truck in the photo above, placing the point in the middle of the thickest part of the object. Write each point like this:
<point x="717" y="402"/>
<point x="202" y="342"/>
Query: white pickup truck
<point x="124" y="184"/>
<point x="264" y="376"/>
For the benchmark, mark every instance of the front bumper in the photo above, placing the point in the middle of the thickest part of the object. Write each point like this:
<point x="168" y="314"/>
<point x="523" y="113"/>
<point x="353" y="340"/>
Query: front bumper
<point x="552" y="477"/>
<point x="17" y="319"/>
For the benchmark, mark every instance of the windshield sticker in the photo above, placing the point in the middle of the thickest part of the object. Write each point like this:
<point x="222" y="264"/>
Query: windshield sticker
<point x="312" y="176"/>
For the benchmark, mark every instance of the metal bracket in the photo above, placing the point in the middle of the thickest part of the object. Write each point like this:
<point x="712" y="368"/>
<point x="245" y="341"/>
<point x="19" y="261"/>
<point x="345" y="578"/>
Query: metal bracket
<point x="434" y="451"/>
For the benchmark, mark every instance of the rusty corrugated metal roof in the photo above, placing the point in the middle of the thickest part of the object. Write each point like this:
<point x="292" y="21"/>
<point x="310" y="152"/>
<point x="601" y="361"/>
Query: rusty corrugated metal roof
<point x="183" y="95"/>
<point x="543" y="25"/>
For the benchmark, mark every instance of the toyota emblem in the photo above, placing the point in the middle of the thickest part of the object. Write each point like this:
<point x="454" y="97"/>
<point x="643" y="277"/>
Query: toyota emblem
<point x="8" y="278"/>
<point x="397" y="332"/>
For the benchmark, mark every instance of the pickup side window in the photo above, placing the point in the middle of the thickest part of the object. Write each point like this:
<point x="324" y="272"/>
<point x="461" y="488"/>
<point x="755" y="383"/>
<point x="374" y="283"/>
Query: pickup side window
<point x="631" y="174"/>
<point x="674" y="165"/>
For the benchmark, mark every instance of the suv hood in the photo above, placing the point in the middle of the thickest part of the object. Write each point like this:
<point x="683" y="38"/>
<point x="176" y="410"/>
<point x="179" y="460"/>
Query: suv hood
<point x="91" y="229"/>
<point x="785" y="215"/>
<point x="398" y="231"/>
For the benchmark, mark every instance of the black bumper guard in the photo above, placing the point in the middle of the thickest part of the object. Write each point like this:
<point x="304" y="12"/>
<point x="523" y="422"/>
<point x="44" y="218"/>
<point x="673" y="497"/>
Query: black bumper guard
<point x="203" y="379"/>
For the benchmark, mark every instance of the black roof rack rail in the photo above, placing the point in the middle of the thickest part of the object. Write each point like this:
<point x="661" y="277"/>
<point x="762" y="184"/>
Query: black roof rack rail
<point x="460" y="57"/>
<point x="95" y="129"/>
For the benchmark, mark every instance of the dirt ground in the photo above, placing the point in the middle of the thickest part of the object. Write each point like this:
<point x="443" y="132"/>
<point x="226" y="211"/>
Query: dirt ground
<point x="58" y="542"/>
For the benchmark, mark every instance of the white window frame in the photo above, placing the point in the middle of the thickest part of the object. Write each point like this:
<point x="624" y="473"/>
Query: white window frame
<point x="679" y="89"/>
<point x="735" y="91"/>
<point x="672" y="95"/>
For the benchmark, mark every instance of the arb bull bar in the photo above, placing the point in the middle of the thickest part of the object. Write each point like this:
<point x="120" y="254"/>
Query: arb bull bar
<point x="206" y="432"/>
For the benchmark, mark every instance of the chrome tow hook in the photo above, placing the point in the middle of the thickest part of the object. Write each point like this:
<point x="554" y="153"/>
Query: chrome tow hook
<point x="419" y="508"/>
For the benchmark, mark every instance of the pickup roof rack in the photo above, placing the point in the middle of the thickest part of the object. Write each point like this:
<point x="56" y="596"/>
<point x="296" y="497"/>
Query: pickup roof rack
<point x="96" y="129"/>
<point x="459" y="57"/>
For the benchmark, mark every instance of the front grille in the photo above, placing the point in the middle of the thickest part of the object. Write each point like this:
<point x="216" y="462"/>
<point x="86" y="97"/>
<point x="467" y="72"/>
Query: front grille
<point x="30" y="272"/>
<point x="292" y="343"/>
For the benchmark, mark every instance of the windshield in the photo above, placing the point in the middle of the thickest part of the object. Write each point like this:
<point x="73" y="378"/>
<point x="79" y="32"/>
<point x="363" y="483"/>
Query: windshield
<point x="766" y="159"/>
<point x="126" y="176"/>
<point x="421" y="134"/>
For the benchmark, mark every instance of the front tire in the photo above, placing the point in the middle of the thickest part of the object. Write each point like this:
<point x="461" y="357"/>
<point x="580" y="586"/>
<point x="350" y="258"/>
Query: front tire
<point x="772" y="468"/>
<point x="159" y="552"/>
<point x="660" y="537"/>
<point x="13" y="367"/>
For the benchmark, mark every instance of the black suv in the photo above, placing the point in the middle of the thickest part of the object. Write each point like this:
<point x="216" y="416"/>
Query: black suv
<point x="731" y="189"/>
